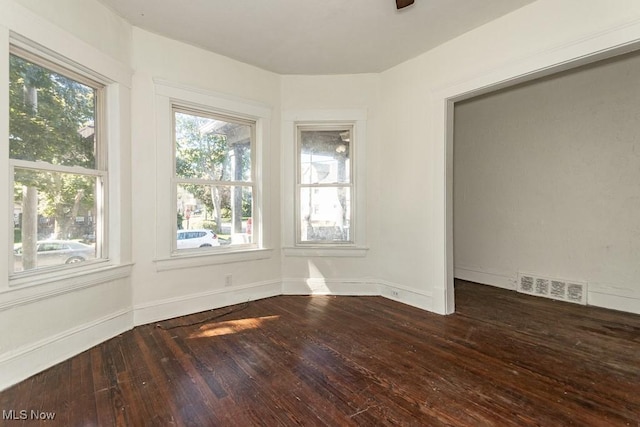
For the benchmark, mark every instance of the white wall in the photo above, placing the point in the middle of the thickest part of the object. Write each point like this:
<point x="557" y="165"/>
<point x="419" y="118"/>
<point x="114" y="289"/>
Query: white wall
<point x="533" y="39"/>
<point x="48" y="319"/>
<point x="335" y="274"/>
<point x="89" y="21"/>
<point x="546" y="181"/>
<point x="162" y="294"/>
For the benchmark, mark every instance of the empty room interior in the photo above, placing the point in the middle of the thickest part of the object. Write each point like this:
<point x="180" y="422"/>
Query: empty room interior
<point x="327" y="213"/>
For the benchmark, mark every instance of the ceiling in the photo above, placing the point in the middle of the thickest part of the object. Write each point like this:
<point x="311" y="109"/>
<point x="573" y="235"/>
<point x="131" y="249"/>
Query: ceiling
<point x="313" y="36"/>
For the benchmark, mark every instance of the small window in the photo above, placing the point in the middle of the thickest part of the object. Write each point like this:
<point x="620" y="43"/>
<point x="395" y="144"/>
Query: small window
<point x="214" y="179"/>
<point x="57" y="168"/>
<point x="324" y="184"/>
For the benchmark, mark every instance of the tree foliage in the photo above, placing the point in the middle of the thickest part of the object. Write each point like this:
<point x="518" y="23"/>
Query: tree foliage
<point x="205" y="154"/>
<point x="201" y="155"/>
<point x="47" y="127"/>
<point x="51" y="120"/>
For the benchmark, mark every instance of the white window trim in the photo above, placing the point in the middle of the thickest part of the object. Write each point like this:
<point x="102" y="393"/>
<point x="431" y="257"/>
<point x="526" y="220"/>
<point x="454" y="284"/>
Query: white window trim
<point x="168" y="96"/>
<point x="290" y="119"/>
<point x="180" y="108"/>
<point x="23" y="29"/>
<point x="304" y="126"/>
<point x="100" y="169"/>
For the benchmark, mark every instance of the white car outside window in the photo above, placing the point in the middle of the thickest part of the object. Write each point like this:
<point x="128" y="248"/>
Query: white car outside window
<point x="190" y="239"/>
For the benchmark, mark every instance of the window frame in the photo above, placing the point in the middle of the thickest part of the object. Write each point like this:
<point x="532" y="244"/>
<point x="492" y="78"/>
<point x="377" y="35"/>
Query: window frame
<point x="168" y="93"/>
<point x="177" y="107"/>
<point x="73" y="71"/>
<point x="22" y="28"/>
<point x="290" y="118"/>
<point x="299" y="185"/>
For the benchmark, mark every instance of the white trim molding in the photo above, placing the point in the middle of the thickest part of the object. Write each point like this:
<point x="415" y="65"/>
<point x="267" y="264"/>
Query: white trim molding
<point x="168" y="95"/>
<point x="498" y="279"/>
<point x="311" y="251"/>
<point x="322" y="286"/>
<point x="614" y="297"/>
<point x="42" y="288"/>
<point x="626" y="303"/>
<point x="155" y="311"/>
<point x="207" y="259"/>
<point x="29" y="29"/>
<point x="290" y="118"/>
<point x="211" y="99"/>
<point x="595" y="45"/>
<point x="358" y="287"/>
<point x="406" y="295"/>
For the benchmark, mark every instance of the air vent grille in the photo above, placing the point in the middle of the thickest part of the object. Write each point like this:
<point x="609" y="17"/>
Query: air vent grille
<point x="526" y="284"/>
<point x="571" y="291"/>
<point x="558" y="289"/>
<point x="575" y="292"/>
<point x="542" y="287"/>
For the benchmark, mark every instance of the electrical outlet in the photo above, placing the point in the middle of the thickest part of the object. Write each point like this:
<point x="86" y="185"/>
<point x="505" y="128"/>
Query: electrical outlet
<point x="228" y="280"/>
<point x="395" y="294"/>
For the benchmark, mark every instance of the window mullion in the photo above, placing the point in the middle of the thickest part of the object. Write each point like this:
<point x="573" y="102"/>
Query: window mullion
<point x="48" y="167"/>
<point x="198" y="181"/>
<point x="330" y="185"/>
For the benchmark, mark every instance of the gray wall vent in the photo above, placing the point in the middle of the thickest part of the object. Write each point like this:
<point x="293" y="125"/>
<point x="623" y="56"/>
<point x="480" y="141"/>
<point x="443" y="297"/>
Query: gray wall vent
<point x="564" y="290"/>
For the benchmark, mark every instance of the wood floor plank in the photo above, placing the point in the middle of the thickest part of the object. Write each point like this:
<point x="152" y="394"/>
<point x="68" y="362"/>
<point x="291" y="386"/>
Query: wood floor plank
<point x="503" y="359"/>
<point x="82" y="404"/>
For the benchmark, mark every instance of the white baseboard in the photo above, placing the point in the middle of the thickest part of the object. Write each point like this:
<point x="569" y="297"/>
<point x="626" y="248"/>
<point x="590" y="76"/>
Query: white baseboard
<point x="358" y="287"/>
<point x="406" y="295"/>
<point x="614" y="297"/>
<point x="316" y="286"/>
<point x="497" y="279"/>
<point x="598" y="294"/>
<point x="614" y="302"/>
<point x="26" y="361"/>
<point x="180" y="306"/>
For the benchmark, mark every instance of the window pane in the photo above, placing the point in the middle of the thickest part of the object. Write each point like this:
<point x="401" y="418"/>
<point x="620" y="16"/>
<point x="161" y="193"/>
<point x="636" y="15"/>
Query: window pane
<point x="54" y="217"/>
<point x="325" y="214"/>
<point x="222" y="209"/>
<point x="324" y="156"/>
<point x="212" y="149"/>
<point x="52" y="117"/>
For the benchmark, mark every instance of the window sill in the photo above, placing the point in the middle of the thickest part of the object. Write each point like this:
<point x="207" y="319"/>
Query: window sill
<point x="44" y="276"/>
<point x="26" y="289"/>
<point x="203" y="260"/>
<point x="333" y="251"/>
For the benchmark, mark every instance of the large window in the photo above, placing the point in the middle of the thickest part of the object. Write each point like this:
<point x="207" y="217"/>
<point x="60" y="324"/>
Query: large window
<point x="214" y="181"/>
<point x="57" y="167"/>
<point x="324" y="184"/>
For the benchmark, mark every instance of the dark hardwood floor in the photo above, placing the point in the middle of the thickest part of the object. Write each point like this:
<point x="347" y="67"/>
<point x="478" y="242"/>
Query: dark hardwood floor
<point x="503" y="359"/>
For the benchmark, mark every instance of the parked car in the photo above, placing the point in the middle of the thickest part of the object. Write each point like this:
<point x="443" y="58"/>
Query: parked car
<point x="200" y="238"/>
<point x="56" y="252"/>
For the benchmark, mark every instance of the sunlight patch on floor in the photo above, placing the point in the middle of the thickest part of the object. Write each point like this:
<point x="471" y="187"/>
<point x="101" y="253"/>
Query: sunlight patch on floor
<point x="231" y="326"/>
